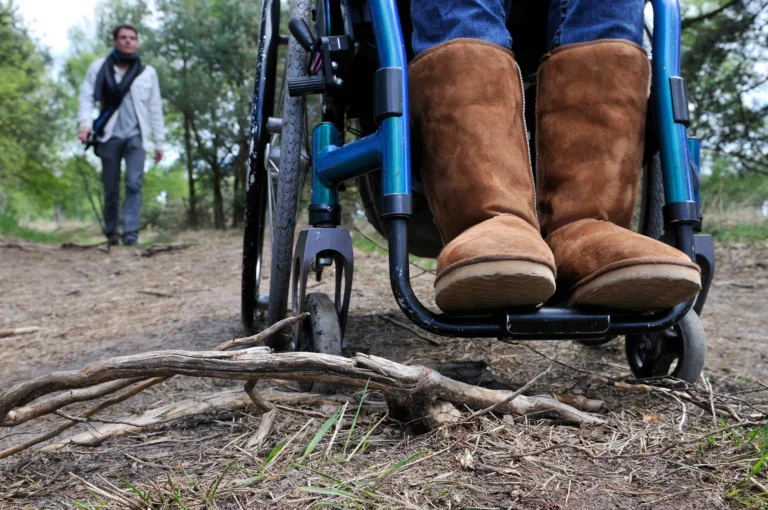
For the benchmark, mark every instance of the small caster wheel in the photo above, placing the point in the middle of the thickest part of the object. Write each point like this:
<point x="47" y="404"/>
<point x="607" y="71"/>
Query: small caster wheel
<point x="596" y="342"/>
<point x="678" y="351"/>
<point x="320" y="332"/>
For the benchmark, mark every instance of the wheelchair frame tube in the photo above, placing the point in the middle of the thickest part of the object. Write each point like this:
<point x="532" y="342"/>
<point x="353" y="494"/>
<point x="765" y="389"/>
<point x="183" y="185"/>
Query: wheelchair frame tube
<point x="389" y="148"/>
<point x="666" y="65"/>
<point x="333" y="164"/>
<point x="681" y="209"/>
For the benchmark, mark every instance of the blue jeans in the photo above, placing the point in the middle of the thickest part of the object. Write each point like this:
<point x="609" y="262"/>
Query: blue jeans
<point x="568" y="21"/>
<point x="112" y="152"/>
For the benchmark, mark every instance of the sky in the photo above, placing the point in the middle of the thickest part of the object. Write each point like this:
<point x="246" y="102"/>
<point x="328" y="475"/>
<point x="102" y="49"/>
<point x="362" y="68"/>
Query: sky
<point x="50" y="20"/>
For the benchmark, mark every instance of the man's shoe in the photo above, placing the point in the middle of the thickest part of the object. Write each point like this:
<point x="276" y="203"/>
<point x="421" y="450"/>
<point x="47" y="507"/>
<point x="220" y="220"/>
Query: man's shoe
<point x="466" y="101"/>
<point x="590" y="115"/>
<point x="130" y="242"/>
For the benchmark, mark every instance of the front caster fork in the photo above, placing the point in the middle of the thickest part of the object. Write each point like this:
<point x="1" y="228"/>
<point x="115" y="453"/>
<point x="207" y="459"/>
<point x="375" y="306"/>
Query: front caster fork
<point x="315" y="249"/>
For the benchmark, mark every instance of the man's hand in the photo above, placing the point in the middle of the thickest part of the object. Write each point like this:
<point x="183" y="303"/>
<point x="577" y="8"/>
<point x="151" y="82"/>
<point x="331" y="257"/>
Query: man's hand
<point x="83" y="134"/>
<point x="158" y="155"/>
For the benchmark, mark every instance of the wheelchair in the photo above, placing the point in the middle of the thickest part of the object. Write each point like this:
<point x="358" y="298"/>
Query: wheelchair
<point x="355" y="58"/>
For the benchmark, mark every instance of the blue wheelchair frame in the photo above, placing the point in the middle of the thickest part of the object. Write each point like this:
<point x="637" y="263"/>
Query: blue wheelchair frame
<point x="389" y="149"/>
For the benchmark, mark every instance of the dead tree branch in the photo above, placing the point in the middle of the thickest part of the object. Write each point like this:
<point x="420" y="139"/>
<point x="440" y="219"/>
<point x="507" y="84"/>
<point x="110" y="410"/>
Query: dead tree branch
<point x="53" y="404"/>
<point x="24" y="414"/>
<point x="410" y="390"/>
<point x="18" y="331"/>
<point x="153" y="250"/>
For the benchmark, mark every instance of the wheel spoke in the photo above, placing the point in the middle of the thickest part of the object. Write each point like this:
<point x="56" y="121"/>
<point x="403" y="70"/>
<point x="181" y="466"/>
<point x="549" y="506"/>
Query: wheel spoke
<point x="673" y="342"/>
<point x="662" y="364"/>
<point x="270" y="200"/>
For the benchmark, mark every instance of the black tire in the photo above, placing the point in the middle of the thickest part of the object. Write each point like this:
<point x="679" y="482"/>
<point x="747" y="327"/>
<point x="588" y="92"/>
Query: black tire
<point x="651" y="202"/>
<point x="289" y="183"/>
<point x="254" y="221"/>
<point x="320" y="332"/>
<point x="253" y="250"/>
<point x="683" y="345"/>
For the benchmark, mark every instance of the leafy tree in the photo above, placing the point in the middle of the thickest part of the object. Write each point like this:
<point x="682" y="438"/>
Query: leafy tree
<point x="208" y="49"/>
<point x="725" y="62"/>
<point x="28" y="112"/>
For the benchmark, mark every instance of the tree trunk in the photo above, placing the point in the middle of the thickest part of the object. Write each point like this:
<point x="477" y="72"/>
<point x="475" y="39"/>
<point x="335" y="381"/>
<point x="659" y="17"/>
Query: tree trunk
<point x="241" y="174"/>
<point x="192" y="218"/>
<point x="219" y="220"/>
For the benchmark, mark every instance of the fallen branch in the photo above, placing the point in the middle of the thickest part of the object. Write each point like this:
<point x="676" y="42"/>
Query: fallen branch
<point x="69" y="423"/>
<point x="153" y="250"/>
<point x="51" y="405"/>
<point x="75" y="246"/>
<point x="221" y="401"/>
<point x="265" y="428"/>
<point x="580" y="402"/>
<point x="24" y="414"/>
<point x="409" y="390"/>
<point x="228" y="400"/>
<point x="18" y="331"/>
<point x="157" y="293"/>
<point x="14" y="246"/>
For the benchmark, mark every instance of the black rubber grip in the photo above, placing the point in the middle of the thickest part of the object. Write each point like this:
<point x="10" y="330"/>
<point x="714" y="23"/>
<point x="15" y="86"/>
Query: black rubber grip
<point x="306" y="85"/>
<point x="679" y="100"/>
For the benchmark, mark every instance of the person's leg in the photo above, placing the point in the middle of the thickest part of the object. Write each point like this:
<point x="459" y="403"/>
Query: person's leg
<point x="134" y="177"/>
<point x="471" y="149"/>
<point x="590" y="122"/>
<point x="581" y="21"/>
<point x="111" y="154"/>
<point x="438" y="21"/>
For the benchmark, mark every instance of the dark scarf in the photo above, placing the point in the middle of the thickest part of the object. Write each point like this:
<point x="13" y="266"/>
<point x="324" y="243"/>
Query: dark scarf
<point x="108" y="92"/>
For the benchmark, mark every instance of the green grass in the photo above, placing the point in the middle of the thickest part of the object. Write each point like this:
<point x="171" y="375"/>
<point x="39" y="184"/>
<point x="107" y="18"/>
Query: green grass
<point x="752" y="440"/>
<point x="365" y="245"/>
<point x="10" y="228"/>
<point x="740" y="232"/>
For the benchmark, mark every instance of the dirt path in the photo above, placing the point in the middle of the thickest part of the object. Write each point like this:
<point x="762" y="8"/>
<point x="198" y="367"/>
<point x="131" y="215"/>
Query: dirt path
<point x="91" y="305"/>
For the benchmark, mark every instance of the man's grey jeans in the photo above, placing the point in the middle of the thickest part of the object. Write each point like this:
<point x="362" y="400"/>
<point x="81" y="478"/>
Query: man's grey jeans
<point x="112" y="152"/>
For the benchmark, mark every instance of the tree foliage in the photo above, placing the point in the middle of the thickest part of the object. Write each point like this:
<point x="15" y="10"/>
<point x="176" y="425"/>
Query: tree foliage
<point x="28" y="112"/>
<point x="725" y="61"/>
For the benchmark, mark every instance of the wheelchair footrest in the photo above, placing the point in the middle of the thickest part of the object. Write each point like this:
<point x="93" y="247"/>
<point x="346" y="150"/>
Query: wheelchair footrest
<point x="557" y="323"/>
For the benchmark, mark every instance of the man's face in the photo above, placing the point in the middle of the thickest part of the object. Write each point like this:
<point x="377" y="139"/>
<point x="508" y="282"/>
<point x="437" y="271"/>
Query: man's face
<point x="127" y="42"/>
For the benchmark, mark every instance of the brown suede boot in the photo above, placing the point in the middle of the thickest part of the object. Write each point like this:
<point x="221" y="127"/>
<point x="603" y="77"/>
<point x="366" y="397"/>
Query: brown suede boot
<point x="470" y="143"/>
<point x="590" y="114"/>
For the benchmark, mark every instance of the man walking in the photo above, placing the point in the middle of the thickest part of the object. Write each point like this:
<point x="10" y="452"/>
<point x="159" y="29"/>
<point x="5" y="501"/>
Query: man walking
<point x="128" y="96"/>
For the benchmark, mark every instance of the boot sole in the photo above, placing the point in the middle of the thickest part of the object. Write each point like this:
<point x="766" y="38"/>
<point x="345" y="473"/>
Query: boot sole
<point x="498" y="284"/>
<point x="643" y="288"/>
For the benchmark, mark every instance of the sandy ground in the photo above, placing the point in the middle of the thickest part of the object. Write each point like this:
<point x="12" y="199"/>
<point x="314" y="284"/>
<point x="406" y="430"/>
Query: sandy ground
<point x="91" y="305"/>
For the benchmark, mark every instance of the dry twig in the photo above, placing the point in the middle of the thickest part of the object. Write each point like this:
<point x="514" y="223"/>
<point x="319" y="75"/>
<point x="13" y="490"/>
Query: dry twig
<point x="153" y="250"/>
<point x="15" y="417"/>
<point x="18" y="331"/>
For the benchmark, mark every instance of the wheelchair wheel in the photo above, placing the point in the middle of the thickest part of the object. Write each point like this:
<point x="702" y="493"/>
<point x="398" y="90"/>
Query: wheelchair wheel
<point x="290" y="175"/>
<point x="649" y="219"/>
<point x="277" y="172"/>
<point x="320" y="332"/>
<point x="256" y="184"/>
<point x="679" y="351"/>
